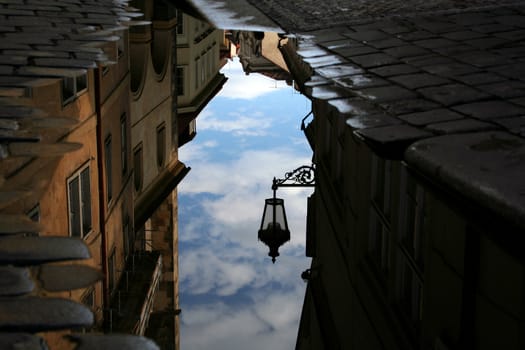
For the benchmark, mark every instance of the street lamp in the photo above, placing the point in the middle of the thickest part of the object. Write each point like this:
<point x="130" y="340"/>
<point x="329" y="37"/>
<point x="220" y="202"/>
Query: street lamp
<point x="274" y="230"/>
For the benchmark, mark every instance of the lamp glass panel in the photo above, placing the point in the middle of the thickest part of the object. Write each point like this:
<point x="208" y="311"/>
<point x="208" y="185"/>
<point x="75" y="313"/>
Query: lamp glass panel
<point x="268" y="215"/>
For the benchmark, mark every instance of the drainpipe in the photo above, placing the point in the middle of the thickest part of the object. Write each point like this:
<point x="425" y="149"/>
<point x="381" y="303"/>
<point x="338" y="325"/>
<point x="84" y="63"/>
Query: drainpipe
<point x="101" y="203"/>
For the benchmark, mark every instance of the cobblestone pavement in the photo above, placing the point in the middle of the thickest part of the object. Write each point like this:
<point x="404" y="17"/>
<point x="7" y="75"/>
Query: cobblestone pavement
<point x="468" y="66"/>
<point x="399" y="72"/>
<point x="306" y="15"/>
<point x="398" y="80"/>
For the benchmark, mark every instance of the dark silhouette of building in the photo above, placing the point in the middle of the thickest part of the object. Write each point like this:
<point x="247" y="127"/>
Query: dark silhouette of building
<point x="416" y="224"/>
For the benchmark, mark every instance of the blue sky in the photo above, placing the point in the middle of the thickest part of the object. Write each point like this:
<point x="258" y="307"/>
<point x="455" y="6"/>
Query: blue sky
<point x="232" y="296"/>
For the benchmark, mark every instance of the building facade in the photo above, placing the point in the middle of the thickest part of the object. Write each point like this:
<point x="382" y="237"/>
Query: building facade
<point x="202" y="51"/>
<point x="259" y="53"/>
<point x="415" y="222"/>
<point x="96" y="160"/>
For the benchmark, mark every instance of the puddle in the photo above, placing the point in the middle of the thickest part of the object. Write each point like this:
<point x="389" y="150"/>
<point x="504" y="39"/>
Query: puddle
<point x="233" y="297"/>
<point x="243" y="129"/>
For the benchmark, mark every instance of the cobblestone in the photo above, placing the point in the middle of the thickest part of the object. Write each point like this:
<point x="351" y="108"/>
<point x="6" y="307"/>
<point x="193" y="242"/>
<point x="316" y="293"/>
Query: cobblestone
<point x="463" y="35"/>
<point x="328" y="92"/>
<point x="479" y="78"/>
<point x="416" y="81"/>
<point x="406" y="51"/>
<point x="435" y="43"/>
<point x="374" y="60"/>
<point x="387" y="43"/>
<point x="492" y="28"/>
<point x="368" y="35"/>
<point x="371" y="121"/>
<point x="490" y="109"/>
<point x="451" y="70"/>
<point x="339" y="71"/>
<point x="452" y="94"/>
<point x="426" y="68"/>
<point x="322" y="61"/>
<point x="354" y="107"/>
<point x="397" y="69"/>
<point x="309" y="15"/>
<point x="416" y="35"/>
<point x="360" y="81"/>
<point x="408" y="106"/>
<point x="505" y="89"/>
<point x="355" y="51"/>
<point x="515" y="125"/>
<point x="386" y="93"/>
<point x="519" y="101"/>
<point x="395" y="133"/>
<point x="482" y="59"/>
<point x="460" y="126"/>
<point x="430" y="117"/>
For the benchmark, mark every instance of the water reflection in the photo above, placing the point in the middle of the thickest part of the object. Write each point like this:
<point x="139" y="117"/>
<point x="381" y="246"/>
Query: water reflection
<point x="231" y="294"/>
<point x="91" y="155"/>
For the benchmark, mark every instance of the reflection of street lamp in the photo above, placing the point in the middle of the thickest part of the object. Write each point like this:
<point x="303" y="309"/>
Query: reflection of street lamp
<point x="274" y="230"/>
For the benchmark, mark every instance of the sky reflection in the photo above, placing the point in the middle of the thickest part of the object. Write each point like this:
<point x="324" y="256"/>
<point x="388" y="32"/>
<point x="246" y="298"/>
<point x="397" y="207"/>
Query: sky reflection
<point x="232" y="296"/>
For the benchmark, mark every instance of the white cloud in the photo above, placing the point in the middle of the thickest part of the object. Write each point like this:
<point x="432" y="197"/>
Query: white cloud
<point x="235" y="122"/>
<point x="236" y="329"/>
<point x="253" y="169"/>
<point x="220" y="256"/>
<point x="269" y="323"/>
<point x="239" y="188"/>
<point x="203" y="271"/>
<point x="195" y="150"/>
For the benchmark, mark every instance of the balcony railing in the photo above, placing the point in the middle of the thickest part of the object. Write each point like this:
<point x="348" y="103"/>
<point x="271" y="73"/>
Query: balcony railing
<point x="133" y="300"/>
<point x="309" y="129"/>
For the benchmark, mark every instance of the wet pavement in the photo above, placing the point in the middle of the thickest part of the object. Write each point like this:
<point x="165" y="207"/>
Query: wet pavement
<point x="297" y="16"/>
<point x="403" y="71"/>
<point x="235" y="14"/>
<point x="430" y="77"/>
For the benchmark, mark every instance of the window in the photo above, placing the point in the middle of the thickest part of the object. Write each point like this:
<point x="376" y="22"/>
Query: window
<point x="381" y="173"/>
<point x="121" y="45"/>
<point x="128" y="236"/>
<point x="197" y="25"/>
<point x="327" y="144"/>
<point x="112" y="269"/>
<point x="192" y="127"/>
<point x="410" y="290"/>
<point x="411" y="247"/>
<point x="379" y="243"/>
<point x="34" y="214"/>
<point x="107" y="161"/>
<point x="180" y="81"/>
<point x="207" y="63"/>
<point x="197" y="64"/>
<point x="81" y="83"/>
<point x="210" y="60"/>
<point x="161" y="145"/>
<point x="124" y="143"/>
<point x="412" y="232"/>
<point x="380" y="233"/>
<point x="72" y="87"/>
<point x="180" y="22"/>
<point x="88" y="298"/>
<point x="203" y="68"/>
<point x="79" y="202"/>
<point x="68" y="89"/>
<point x="137" y="163"/>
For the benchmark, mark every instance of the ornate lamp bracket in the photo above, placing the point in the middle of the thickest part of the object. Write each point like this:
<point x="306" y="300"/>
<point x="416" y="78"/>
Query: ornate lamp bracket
<point x="304" y="176"/>
<point x="274" y="230"/>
